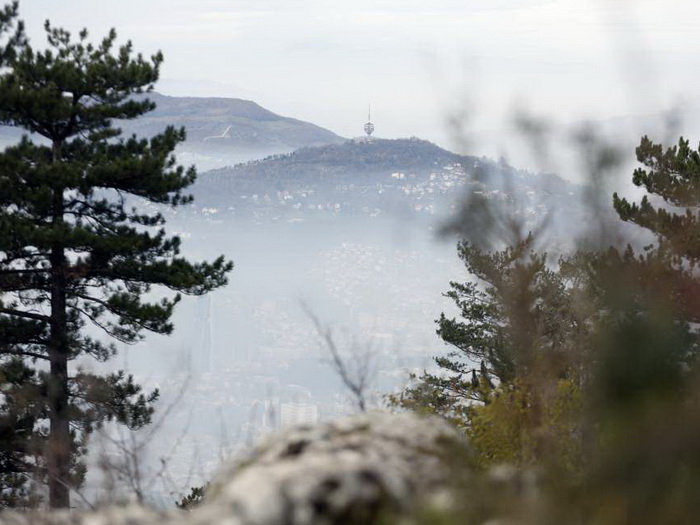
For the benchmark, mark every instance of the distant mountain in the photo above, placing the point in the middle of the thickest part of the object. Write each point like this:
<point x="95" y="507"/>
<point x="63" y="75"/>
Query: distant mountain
<point x="368" y="178"/>
<point x="230" y="124"/>
<point x="220" y="131"/>
<point x="357" y="156"/>
<point x="360" y="159"/>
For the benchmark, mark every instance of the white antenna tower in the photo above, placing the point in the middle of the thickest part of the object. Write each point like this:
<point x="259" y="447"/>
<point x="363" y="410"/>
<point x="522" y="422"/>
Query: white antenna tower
<point x="369" y="127"/>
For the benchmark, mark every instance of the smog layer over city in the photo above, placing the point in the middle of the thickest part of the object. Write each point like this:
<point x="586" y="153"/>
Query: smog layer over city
<point x="398" y="210"/>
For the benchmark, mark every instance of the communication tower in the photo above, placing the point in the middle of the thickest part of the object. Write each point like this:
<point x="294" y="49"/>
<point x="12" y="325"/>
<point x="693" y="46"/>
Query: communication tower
<point x="369" y="127"/>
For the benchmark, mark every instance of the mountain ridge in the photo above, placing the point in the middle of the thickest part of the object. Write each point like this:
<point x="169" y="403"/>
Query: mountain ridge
<point x="374" y="156"/>
<point x="360" y="175"/>
<point x="220" y="130"/>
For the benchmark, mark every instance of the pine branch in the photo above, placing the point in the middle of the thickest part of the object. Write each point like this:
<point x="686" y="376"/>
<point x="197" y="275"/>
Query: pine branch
<point x="25" y="353"/>
<point x="25" y="315"/>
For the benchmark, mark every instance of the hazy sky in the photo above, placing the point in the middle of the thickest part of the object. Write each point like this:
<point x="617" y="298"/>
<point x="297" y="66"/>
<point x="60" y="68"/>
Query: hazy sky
<point x="416" y="62"/>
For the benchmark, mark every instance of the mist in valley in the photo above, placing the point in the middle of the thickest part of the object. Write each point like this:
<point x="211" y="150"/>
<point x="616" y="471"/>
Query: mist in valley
<point x="343" y="237"/>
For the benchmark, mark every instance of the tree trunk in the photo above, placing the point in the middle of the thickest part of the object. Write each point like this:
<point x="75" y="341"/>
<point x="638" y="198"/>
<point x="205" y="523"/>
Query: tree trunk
<point x="58" y="457"/>
<point x="59" y="452"/>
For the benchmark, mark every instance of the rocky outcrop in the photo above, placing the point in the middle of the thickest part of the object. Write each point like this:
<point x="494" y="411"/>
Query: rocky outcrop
<point x="355" y="470"/>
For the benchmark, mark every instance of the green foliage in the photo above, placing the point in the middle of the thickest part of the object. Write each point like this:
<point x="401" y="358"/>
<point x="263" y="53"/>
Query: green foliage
<point x="674" y="175"/>
<point x="584" y="372"/>
<point x="521" y="327"/>
<point x="503" y="430"/>
<point x="82" y="242"/>
<point x="19" y="443"/>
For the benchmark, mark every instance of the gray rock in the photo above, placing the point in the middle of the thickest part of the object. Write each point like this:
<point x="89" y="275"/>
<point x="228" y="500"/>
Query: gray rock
<point x="349" y="471"/>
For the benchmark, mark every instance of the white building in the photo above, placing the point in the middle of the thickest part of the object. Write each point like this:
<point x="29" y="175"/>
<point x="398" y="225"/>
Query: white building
<point x="292" y="414"/>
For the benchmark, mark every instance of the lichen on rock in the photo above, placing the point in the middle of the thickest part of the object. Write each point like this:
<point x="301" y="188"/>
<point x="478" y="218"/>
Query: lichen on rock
<point x="352" y="470"/>
<point x="356" y="470"/>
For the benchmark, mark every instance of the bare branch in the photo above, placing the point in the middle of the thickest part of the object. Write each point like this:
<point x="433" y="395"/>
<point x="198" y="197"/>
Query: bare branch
<point x="354" y="373"/>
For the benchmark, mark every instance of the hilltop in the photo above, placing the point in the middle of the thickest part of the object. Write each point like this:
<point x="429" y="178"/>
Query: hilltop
<point x="252" y="127"/>
<point x="220" y="131"/>
<point x="357" y="156"/>
<point x="356" y="161"/>
<point x="361" y="159"/>
<point x="367" y="177"/>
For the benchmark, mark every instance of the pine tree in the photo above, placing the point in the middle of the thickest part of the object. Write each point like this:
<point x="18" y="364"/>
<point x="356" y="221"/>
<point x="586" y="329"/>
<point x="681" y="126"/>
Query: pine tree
<point x="673" y="175"/>
<point x="519" y="319"/>
<point x="81" y="242"/>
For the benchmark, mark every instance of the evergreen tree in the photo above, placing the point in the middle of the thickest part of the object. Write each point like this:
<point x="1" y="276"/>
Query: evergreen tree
<point x="673" y="175"/>
<point x="519" y="323"/>
<point x="557" y="365"/>
<point x="81" y="243"/>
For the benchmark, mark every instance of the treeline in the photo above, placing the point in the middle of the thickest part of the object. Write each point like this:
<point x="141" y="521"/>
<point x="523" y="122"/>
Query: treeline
<point x="582" y="370"/>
